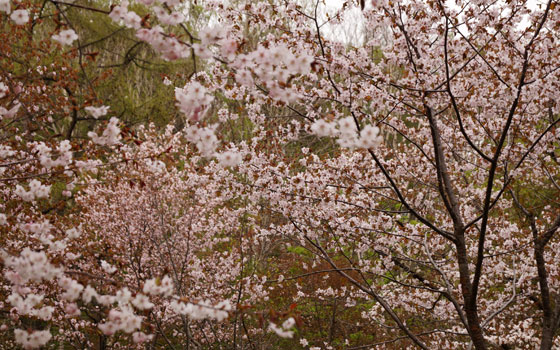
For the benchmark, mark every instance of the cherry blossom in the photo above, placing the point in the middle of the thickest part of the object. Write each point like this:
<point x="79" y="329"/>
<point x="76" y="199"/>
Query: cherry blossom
<point x="229" y="158"/>
<point x="36" y="191"/>
<point x="284" y="330"/>
<point x="110" y="135"/>
<point x="65" y="37"/>
<point x="32" y="340"/>
<point x="5" y="6"/>
<point x="97" y="112"/>
<point x="3" y="89"/>
<point x="20" y="17"/>
<point x="403" y="186"/>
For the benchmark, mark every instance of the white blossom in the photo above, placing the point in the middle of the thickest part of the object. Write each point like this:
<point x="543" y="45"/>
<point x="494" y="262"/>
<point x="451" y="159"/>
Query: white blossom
<point x="5" y="6"/>
<point x="32" y="340"/>
<point x="229" y="158"/>
<point x="111" y="134"/>
<point x="36" y="190"/>
<point x="72" y="287"/>
<point x="65" y="37"/>
<point x="20" y="17"/>
<point x="140" y="337"/>
<point x="142" y="302"/>
<point x="3" y="88"/>
<point x="156" y="286"/>
<point x="283" y="331"/>
<point x="97" y="112"/>
<point x="108" y="267"/>
<point x="323" y="128"/>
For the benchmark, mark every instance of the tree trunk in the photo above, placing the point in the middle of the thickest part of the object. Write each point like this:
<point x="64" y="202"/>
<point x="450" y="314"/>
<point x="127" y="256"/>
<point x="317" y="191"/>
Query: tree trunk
<point x="547" y="337"/>
<point x="474" y="329"/>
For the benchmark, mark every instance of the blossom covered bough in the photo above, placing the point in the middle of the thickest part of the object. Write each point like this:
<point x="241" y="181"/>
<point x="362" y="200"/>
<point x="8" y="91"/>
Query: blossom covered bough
<point x="414" y="181"/>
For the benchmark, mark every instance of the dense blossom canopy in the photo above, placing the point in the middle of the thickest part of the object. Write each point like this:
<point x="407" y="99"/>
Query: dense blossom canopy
<point x="399" y="192"/>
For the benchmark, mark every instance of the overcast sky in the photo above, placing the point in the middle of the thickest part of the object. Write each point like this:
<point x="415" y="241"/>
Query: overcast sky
<point x="350" y="30"/>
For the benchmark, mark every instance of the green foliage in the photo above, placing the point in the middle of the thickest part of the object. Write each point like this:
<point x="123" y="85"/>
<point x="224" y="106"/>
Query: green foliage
<point x="299" y="251"/>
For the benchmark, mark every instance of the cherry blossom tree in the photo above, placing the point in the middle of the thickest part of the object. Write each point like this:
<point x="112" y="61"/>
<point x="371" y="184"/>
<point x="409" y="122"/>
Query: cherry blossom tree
<point x="410" y="183"/>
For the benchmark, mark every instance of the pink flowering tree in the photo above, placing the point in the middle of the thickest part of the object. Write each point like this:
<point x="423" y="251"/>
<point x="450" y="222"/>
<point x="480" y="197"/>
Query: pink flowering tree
<point x="410" y="184"/>
<point x="150" y="220"/>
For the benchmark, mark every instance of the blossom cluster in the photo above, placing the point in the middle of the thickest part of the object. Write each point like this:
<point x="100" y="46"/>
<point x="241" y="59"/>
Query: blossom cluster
<point x="229" y="158"/>
<point x="97" y="112"/>
<point x="45" y="157"/>
<point x="29" y="266"/>
<point x="155" y="286"/>
<point x="168" y="47"/>
<point x="274" y="66"/>
<point x="72" y="289"/>
<point x="193" y="100"/>
<point x="111" y="135"/>
<point x="32" y="340"/>
<point x="4" y="90"/>
<point x="204" y="138"/>
<point x="65" y="37"/>
<point x="36" y="190"/>
<point x="31" y="306"/>
<point x="285" y="330"/>
<point x="129" y="18"/>
<point x="347" y="133"/>
<point x="166" y="18"/>
<point x="202" y="310"/>
<point x="121" y="320"/>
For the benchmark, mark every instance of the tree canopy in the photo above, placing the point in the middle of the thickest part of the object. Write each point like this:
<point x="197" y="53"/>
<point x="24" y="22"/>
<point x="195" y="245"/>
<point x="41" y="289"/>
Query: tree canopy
<point x="240" y="175"/>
